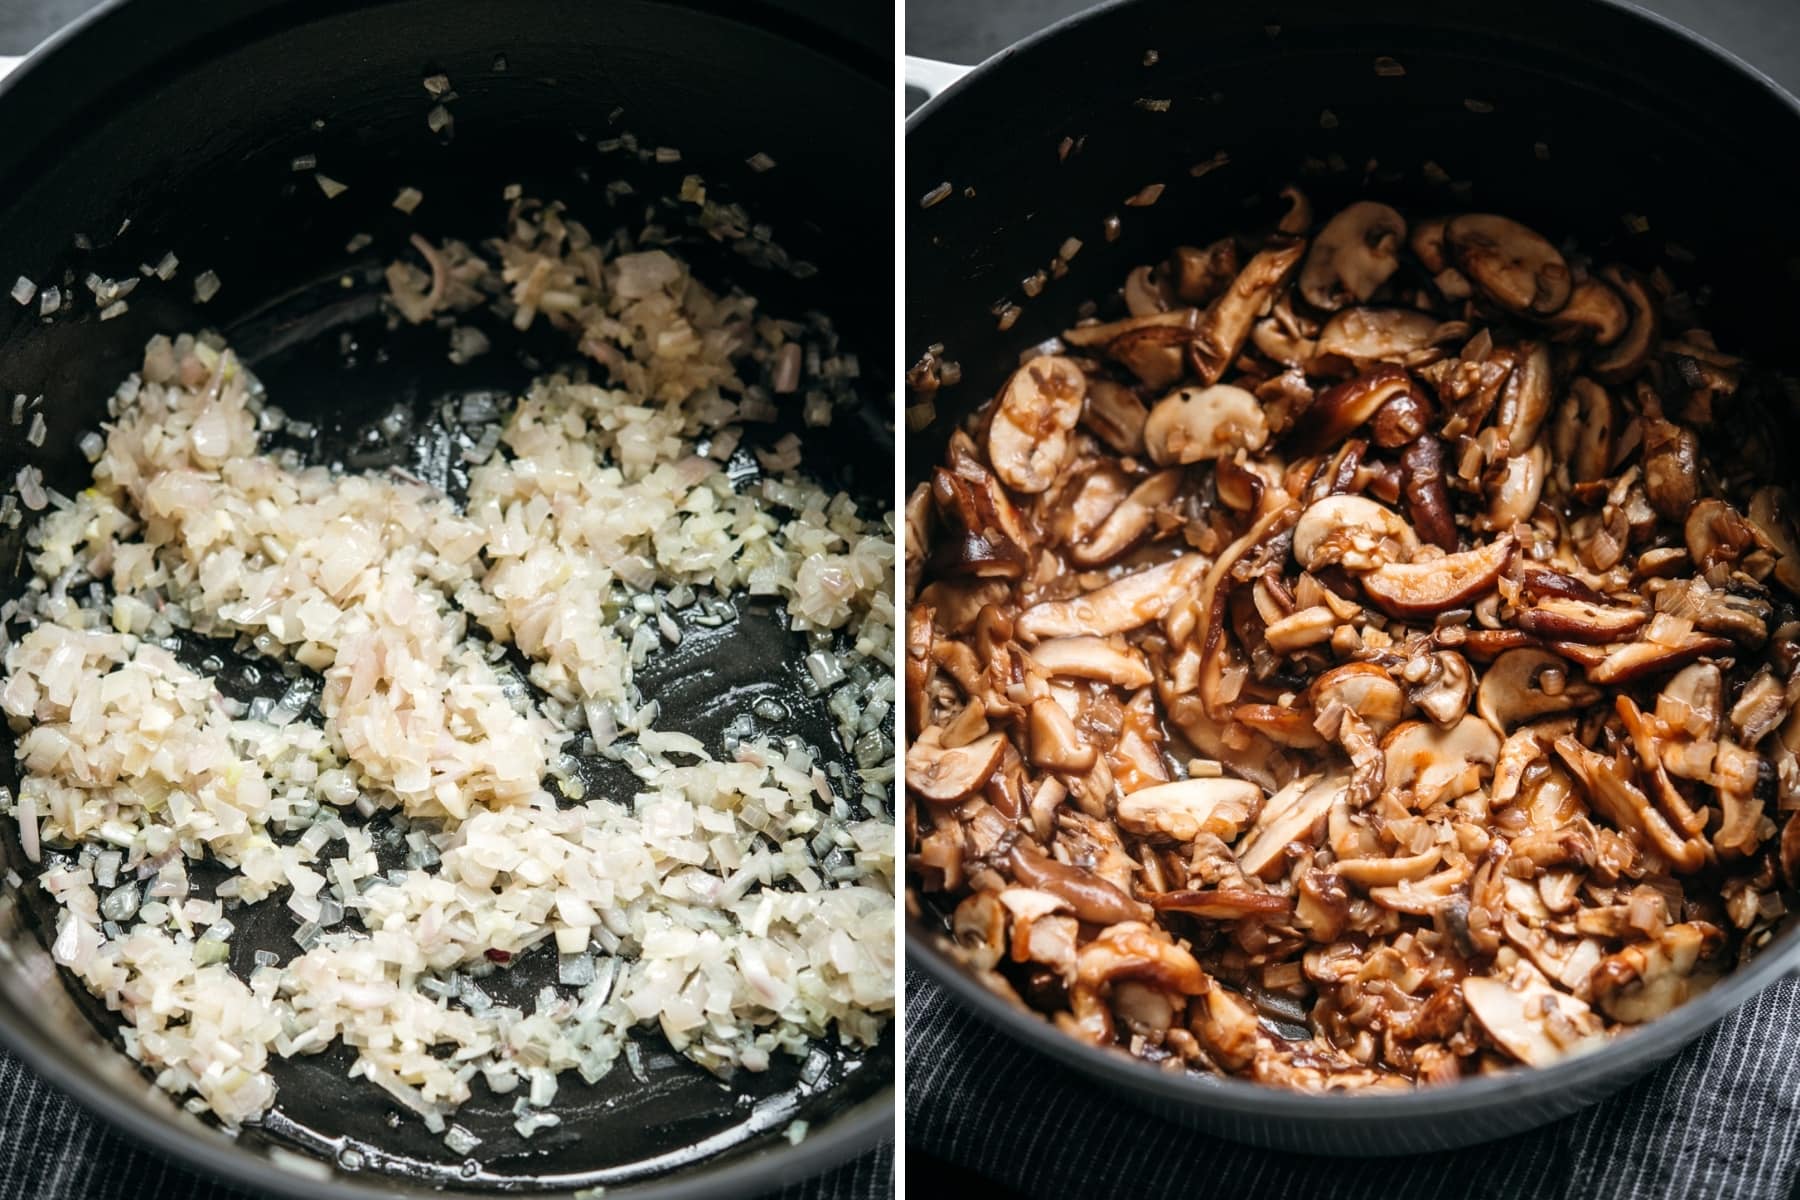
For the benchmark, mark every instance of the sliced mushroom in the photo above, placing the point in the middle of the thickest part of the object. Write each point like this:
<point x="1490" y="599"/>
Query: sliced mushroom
<point x="1531" y="1020"/>
<point x="1523" y="685"/>
<point x="1595" y="312"/>
<point x="979" y="927"/>
<point x="1387" y="872"/>
<point x="1427" y="244"/>
<point x="1512" y="265"/>
<point x="1583" y="437"/>
<point x="1296" y="813"/>
<point x="1145" y="294"/>
<point x="1365" y="336"/>
<point x="1609" y="787"/>
<point x="1716" y="533"/>
<point x="1364" y="689"/>
<point x="1149" y="347"/>
<point x="1028" y="439"/>
<point x="1354" y="531"/>
<point x="1557" y="619"/>
<point x="1353" y="255"/>
<point x="1188" y="808"/>
<point x="1771" y="511"/>
<point x="1223" y="329"/>
<point x="1224" y="904"/>
<point x="1201" y="275"/>
<point x="1116" y="415"/>
<point x="1646" y="980"/>
<point x="1427" y="494"/>
<point x="1671" y="468"/>
<point x="1191" y="425"/>
<point x="1626" y="356"/>
<point x="1693" y="701"/>
<point x="1298" y="630"/>
<point x="1127" y="524"/>
<point x="1514" y="490"/>
<point x="1091" y="658"/>
<point x="1642" y="659"/>
<point x="1290" y="727"/>
<point x="1055" y="742"/>
<point x="1445" y="692"/>
<point x="948" y="775"/>
<point x="1119" y="607"/>
<point x="1344" y="406"/>
<point x="1432" y="586"/>
<point x="1095" y="900"/>
<point x="1135" y="951"/>
<point x="1424" y="897"/>
<point x="1525" y="400"/>
<point x="1429" y="765"/>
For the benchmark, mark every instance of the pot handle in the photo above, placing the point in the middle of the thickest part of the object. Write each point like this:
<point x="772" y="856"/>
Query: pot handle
<point x="931" y="76"/>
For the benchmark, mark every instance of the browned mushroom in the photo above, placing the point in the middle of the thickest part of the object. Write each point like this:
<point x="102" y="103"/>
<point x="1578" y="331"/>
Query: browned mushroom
<point x="1595" y="312"/>
<point x="1626" y="356"/>
<point x="1201" y="275"/>
<point x="1557" y="619"/>
<point x="1116" y="415"/>
<point x="1514" y="489"/>
<point x="1222" y="331"/>
<point x="1646" y="980"/>
<point x="1092" y="658"/>
<point x="1583" y="437"/>
<point x="1150" y="347"/>
<point x="1530" y="1020"/>
<point x="979" y="927"/>
<point x="1427" y="495"/>
<point x="1190" y="807"/>
<point x="1029" y="435"/>
<point x="1525" y="400"/>
<point x="1119" y="607"/>
<point x="1771" y="511"/>
<point x="1443" y="689"/>
<point x="1641" y="659"/>
<point x="1366" y="336"/>
<point x="1146" y="293"/>
<point x="1428" y="764"/>
<point x="1432" y="586"/>
<point x="1512" y="265"/>
<point x="1296" y="813"/>
<point x="1055" y="742"/>
<point x="1093" y="899"/>
<point x="1353" y="255"/>
<point x="1522" y="685"/>
<point x="1671" y="468"/>
<point x="1354" y="531"/>
<point x="1127" y="524"/>
<point x="1716" y="533"/>
<point x="1364" y="689"/>
<point x="1344" y="406"/>
<point x="948" y="775"/>
<point x="1191" y="425"/>
<point x="1224" y="904"/>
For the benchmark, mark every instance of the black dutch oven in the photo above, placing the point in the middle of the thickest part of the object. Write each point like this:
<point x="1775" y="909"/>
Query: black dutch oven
<point x="154" y="126"/>
<point x="1590" y="119"/>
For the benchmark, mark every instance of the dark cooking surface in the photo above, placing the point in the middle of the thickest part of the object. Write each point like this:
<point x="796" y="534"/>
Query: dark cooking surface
<point x="52" y="1149"/>
<point x="1718" y="1120"/>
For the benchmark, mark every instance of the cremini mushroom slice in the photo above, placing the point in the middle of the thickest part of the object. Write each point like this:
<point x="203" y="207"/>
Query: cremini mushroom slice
<point x="1191" y="425"/>
<point x="1564" y="620"/>
<point x="1353" y="531"/>
<point x="1523" y="685"/>
<point x="1087" y="657"/>
<point x="1444" y="688"/>
<point x="1582" y="440"/>
<point x="1514" y="490"/>
<point x="1127" y="524"/>
<point x="1115" y="415"/>
<point x="1055" y="742"/>
<point x="1190" y="807"/>
<point x="1344" y="406"/>
<point x="1671" y="468"/>
<point x="1201" y="274"/>
<point x="1428" y="764"/>
<point x="1531" y="1020"/>
<point x="1223" y="904"/>
<point x="979" y="927"/>
<point x="1422" y="898"/>
<point x="1432" y="586"/>
<point x="1427" y="494"/>
<point x="1146" y="294"/>
<point x="1353" y="255"/>
<point x="1692" y="702"/>
<point x="1028" y="439"/>
<point x="1364" y="689"/>
<point x="1388" y="872"/>
<point x="1510" y="264"/>
<point x="1646" y="980"/>
<point x="1366" y="336"/>
<point x="1644" y="658"/>
<point x="1525" y="400"/>
<point x="1221" y="332"/>
<point x="1627" y="356"/>
<point x="1132" y="950"/>
<point x="1285" y="726"/>
<point x="1119" y="607"/>
<point x="1296" y="813"/>
<point x="1595" y="312"/>
<point x="1150" y="347"/>
<point x="948" y="775"/>
<point x="1772" y="512"/>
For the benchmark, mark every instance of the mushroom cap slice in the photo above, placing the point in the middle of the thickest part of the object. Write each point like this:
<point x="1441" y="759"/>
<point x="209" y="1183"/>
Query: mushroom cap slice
<point x="1595" y="310"/>
<point x="1291" y="727"/>
<point x="1115" y="415"/>
<point x="1437" y="585"/>
<point x="1582" y="437"/>
<point x="948" y="775"/>
<point x="1772" y="512"/>
<point x="1364" y="689"/>
<point x="1191" y="425"/>
<point x="1120" y="606"/>
<point x="1445" y="696"/>
<point x="1512" y="265"/>
<point x="1435" y="764"/>
<point x="1127" y="524"/>
<point x="1223" y="904"/>
<point x="1295" y="813"/>
<point x="1371" y="335"/>
<point x="1566" y="620"/>
<point x="1627" y="355"/>
<point x="1353" y="255"/>
<point x="1517" y="1019"/>
<point x="1646" y="980"/>
<point x="1187" y="808"/>
<point x="1028" y="439"/>
<point x="1512" y="691"/>
<point x="1342" y="407"/>
<point x="1354" y="531"/>
<point x="1091" y="658"/>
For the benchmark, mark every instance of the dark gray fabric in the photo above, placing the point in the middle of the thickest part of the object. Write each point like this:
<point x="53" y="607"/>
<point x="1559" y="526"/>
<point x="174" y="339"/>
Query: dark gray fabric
<point x="1721" y="1119"/>
<point x="53" y="1149"/>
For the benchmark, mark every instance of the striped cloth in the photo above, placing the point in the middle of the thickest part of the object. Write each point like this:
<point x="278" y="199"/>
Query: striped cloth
<point x="55" y="1150"/>
<point x="1722" y="1119"/>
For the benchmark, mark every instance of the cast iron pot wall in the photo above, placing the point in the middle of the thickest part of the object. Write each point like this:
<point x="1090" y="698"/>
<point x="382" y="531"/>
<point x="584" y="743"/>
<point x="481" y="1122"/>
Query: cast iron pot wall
<point x="1597" y="111"/>
<point x="185" y="119"/>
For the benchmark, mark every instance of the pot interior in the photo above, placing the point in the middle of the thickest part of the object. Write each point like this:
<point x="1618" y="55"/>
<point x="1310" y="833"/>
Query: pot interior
<point x="187" y="124"/>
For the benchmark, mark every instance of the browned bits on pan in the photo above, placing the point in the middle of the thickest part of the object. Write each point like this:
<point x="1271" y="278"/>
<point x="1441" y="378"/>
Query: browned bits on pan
<point x="1372" y="615"/>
